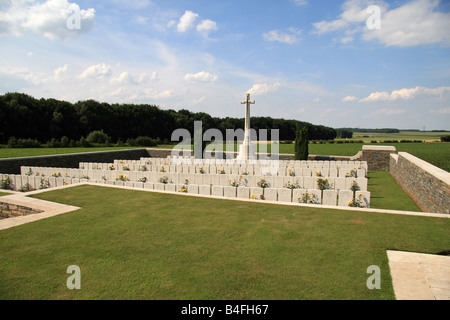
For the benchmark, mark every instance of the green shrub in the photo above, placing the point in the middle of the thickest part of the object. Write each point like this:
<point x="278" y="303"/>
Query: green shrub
<point x="145" y="142"/>
<point x="131" y="142"/>
<point x="445" y="138"/>
<point x="98" y="137"/>
<point x="84" y="143"/>
<point x="54" y="143"/>
<point x="65" y="142"/>
<point x="23" y="143"/>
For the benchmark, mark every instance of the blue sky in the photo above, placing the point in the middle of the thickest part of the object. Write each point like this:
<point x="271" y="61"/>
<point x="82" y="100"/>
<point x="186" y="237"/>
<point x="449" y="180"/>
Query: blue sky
<point x="325" y="62"/>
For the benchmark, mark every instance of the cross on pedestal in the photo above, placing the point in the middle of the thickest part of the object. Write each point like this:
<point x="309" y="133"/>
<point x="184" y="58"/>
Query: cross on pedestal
<point x="246" y="144"/>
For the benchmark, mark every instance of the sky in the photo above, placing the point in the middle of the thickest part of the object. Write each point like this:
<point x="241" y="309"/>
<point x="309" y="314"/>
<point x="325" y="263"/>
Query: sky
<point x="346" y="63"/>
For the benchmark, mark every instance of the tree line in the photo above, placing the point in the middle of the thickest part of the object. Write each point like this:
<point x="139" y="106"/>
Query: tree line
<point x="43" y="120"/>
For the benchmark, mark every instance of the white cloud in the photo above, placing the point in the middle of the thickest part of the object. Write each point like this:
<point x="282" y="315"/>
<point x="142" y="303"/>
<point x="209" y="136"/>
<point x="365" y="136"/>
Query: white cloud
<point x="48" y="19"/>
<point x="199" y="100"/>
<point x="414" y="23"/>
<point x="98" y="71"/>
<point x="346" y="40"/>
<point x="389" y="112"/>
<point x="24" y="74"/>
<point x="300" y="2"/>
<point x="441" y="111"/>
<point x="202" y="76"/>
<point x="405" y="94"/>
<point x="207" y="26"/>
<point x="290" y="37"/>
<point x="376" y="96"/>
<point x="264" y="88"/>
<point x="60" y="71"/>
<point x="124" y="78"/>
<point x="349" y="99"/>
<point x="329" y="26"/>
<point x="187" y="21"/>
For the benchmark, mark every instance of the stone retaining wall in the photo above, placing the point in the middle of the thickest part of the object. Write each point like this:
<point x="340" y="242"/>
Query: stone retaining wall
<point x="8" y="210"/>
<point x="427" y="185"/>
<point x="377" y="157"/>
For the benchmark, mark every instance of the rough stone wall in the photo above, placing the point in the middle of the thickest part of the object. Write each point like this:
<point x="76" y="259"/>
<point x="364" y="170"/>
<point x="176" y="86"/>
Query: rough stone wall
<point x="426" y="184"/>
<point x="377" y="157"/>
<point x="8" y="210"/>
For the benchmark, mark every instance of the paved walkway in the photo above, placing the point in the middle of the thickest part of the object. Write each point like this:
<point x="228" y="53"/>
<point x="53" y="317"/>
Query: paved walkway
<point x="417" y="276"/>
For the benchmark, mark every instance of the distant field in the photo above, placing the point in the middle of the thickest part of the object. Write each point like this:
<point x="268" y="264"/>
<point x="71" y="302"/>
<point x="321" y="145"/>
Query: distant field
<point x="403" y="135"/>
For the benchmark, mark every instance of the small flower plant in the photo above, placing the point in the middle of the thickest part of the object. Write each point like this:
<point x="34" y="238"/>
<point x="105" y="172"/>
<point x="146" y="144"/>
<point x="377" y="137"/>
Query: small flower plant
<point x="45" y="184"/>
<point x="291" y="173"/>
<point x="163" y="180"/>
<point x="238" y="182"/>
<point x="357" y="202"/>
<point x="6" y="183"/>
<point x="121" y="177"/>
<point x="260" y="197"/>
<point x="352" y="173"/>
<point x="355" y="187"/>
<point x="322" y="184"/>
<point x="291" y="185"/>
<point x="262" y="183"/>
<point x="221" y="171"/>
<point x="308" y="197"/>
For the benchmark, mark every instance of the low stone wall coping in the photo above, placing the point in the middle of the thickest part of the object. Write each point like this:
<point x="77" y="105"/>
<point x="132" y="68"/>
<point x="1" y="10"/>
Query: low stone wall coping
<point x="379" y="148"/>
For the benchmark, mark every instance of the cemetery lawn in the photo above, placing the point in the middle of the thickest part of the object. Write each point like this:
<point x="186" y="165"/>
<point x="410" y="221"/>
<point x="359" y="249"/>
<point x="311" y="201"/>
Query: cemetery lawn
<point x="143" y="245"/>
<point x="32" y="152"/>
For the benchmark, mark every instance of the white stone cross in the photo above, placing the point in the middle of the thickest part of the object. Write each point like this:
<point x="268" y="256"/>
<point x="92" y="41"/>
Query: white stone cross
<point x="246" y="144"/>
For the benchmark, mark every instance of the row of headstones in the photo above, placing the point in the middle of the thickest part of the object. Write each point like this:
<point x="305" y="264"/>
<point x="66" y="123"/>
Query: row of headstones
<point x="309" y="182"/>
<point x="283" y="163"/>
<point x="237" y="170"/>
<point x="311" y="196"/>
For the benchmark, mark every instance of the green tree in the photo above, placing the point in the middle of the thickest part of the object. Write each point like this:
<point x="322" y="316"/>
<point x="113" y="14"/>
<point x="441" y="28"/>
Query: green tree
<point x="301" y="144"/>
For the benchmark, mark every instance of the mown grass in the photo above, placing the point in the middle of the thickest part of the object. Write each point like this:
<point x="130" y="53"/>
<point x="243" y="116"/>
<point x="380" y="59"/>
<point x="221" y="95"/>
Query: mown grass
<point x="32" y="152"/>
<point x="385" y="193"/>
<point x="141" y="245"/>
